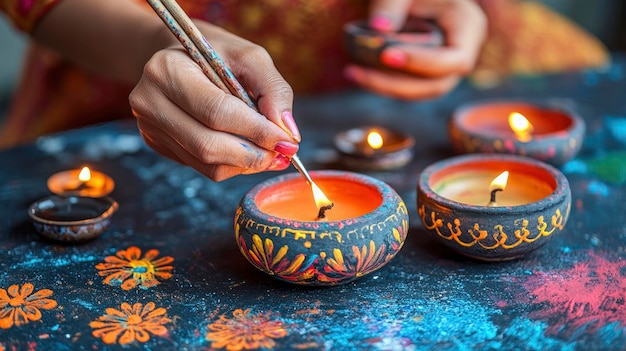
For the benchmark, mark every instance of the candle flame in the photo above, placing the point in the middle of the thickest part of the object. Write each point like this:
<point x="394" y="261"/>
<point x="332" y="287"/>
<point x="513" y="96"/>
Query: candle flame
<point x="320" y="198"/>
<point x="84" y="175"/>
<point x="521" y="126"/>
<point x="499" y="182"/>
<point x="375" y="140"/>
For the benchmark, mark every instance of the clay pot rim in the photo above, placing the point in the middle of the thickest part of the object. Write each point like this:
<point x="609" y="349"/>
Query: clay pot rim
<point x="402" y="140"/>
<point x="109" y="207"/>
<point x="559" y="194"/>
<point x="385" y="191"/>
<point x="577" y="125"/>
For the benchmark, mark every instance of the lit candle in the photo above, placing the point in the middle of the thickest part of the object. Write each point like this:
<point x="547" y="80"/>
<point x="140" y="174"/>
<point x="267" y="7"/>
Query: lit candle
<point x="521" y="126"/>
<point x="81" y="182"/>
<point x="278" y="230"/>
<point x="549" y="133"/>
<point x="374" y="148"/>
<point x="497" y="184"/>
<point x="456" y="202"/>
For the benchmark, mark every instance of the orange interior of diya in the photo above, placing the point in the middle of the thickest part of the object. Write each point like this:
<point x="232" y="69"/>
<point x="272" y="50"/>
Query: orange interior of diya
<point x="493" y="117"/>
<point x="292" y="199"/>
<point x="527" y="181"/>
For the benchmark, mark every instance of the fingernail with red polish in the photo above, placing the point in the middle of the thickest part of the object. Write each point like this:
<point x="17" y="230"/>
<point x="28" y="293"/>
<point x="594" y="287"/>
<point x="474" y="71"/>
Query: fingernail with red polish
<point x="380" y="22"/>
<point x="290" y="123"/>
<point x="350" y="73"/>
<point x="279" y="162"/>
<point x="285" y="148"/>
<point x="394" y="58"/>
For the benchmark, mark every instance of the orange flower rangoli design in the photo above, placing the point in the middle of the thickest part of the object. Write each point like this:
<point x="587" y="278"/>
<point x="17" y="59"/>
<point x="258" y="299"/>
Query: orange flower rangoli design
<point x="128" y="269"/>
<point x="19" y="306"/>
<point x="245" y="331"/>
<point x="130" y="324"/>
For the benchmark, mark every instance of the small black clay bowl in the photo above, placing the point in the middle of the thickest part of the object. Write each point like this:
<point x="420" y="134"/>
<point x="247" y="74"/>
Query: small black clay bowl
<point x="278" y="232"/>
<point x="453" y="196"/>
<point x="355" y="153"/>
<point x="73" y="218"/>
<point x="483" y="127"/>
<point x="365" y="45"/>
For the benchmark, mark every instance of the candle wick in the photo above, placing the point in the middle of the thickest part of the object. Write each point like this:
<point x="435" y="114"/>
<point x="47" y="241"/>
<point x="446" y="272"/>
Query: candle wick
<point x="322" y="213"/>
<point x="81" y="186"/>
<point x="492" y="200"/>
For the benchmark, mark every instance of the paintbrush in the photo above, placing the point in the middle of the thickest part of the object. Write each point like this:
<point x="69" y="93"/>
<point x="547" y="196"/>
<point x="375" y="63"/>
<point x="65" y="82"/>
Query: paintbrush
<point x="216" y="70"/>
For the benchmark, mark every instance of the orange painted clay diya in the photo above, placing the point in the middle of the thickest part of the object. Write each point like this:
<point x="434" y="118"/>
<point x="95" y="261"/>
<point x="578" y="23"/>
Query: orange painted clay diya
<point x="278" y="230"/>
<point x="552" y="134"/>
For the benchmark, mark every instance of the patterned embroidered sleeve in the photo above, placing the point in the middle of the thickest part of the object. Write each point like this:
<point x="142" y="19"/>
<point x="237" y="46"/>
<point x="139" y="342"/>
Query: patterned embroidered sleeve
<point x="25" y="14"/>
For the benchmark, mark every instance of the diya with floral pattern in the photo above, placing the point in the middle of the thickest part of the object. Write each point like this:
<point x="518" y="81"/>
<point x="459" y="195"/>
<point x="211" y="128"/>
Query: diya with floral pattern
<point x="457" y="204"/>
<point x="278" y="232"/>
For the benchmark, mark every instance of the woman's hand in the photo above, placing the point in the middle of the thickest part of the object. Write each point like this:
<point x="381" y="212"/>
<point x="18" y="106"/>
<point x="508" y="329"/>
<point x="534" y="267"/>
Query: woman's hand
<point x="185" y="117"/>
<point x="424" y="72"/>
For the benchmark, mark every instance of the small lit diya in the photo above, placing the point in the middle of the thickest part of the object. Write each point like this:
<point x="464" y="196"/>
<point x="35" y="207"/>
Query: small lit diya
<point x="81" y="182"/>
<point x="279" y="231"/>
<point x="493" y="207"/>
<point x="72" y="218"/>
<point x="547" y="133"/>
<point x="365" y="45"/>
<point x="374" y="148"/>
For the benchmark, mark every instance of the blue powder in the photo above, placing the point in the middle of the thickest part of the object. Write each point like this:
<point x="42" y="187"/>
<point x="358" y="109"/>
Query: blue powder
<point x="616" y="126"/>
<point x="450" y="320"/>
<point x="531" y="334"/>
<point x="575" y="166"/>
<point x="598" y="188"/>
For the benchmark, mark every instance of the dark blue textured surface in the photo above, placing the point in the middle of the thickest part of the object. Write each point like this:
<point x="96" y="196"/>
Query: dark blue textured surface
<point x="569" y="295"/>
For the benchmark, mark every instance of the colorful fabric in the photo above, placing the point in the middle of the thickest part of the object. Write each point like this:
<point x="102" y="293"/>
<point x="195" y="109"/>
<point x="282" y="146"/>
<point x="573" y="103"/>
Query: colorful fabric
<point x="53" y="95"/>
<point x="26" y="13"/>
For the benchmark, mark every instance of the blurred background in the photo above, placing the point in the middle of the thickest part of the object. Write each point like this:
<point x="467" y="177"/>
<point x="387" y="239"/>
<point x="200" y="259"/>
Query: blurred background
<point x="606" y="19"/>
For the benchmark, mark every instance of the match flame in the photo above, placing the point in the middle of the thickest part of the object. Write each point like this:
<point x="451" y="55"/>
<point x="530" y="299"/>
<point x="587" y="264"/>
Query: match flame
<point x="521" y="126"/>
<point x="499" y="182"/>
<point x="320" y="198"/>
<point x="375" y="140"/>
<point x="84" y="175"/>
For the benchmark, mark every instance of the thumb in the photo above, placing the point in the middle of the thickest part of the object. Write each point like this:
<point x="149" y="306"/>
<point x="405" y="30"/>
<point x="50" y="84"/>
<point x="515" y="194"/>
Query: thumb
<point x="388" y="15"/>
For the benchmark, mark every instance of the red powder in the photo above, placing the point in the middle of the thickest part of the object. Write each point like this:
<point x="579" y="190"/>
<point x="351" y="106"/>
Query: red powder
<point x="592" y="294"/>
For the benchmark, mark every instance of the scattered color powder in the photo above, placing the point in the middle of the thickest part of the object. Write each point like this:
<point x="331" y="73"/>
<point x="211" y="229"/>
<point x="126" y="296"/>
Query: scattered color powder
<point x="616" y="126"/>
<point x="611" y="167"/>
<point x="591" y="295"/>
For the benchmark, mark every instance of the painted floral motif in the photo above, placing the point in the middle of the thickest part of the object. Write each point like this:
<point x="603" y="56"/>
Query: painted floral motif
<point x="19" y="306"/>
<point x="366" y="259"/>
<point x="245" y="331"/>
<point x="399" y="235"/>
<point x="130" y="323"/>
<point x="262" y="255"/>
<point x="128" y="269"/>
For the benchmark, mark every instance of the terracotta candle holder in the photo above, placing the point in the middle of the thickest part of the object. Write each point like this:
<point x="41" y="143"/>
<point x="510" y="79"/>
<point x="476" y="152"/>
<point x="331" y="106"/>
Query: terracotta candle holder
<point x="81" y="182"/>
<point x="455" y="204"/>
<point x="277" y="230"/>
<point x="364" y="45"/>
<point x="71" y="218"/>
<point x="554" y="135"/>
<point x="374" y="148"/>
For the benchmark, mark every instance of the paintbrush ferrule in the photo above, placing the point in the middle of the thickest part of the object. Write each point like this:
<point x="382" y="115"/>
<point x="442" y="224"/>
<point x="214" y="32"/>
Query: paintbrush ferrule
<point x="295" y="160"/>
